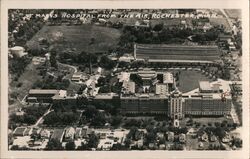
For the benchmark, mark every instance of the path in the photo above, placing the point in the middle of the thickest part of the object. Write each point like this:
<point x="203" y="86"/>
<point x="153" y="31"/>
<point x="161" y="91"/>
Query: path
<point x="228" y="19"/>
<point x="66" y="65"/>
<point x="40" y="119"/>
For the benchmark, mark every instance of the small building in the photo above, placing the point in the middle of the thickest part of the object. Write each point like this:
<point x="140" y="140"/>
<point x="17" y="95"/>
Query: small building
<point x="182" y="138"/>
<point x="36" y="130"/>
<point x="213" y="138"/>
<point x="204" y="137"/>
<point x="70" y="134"/>
<point x="28" y="131"/>
<point x="18" y="51"/>
<point x="45" y="134"/>
<point x="140" y="143"/>
<point x="58" y="134"/>
<point x="225" y="38"/>
<point x="162" y="146"/>
<point x="78" y="133"/>
<point x="151" y="145"/>
<point x="227" y="138"/>
<point x="76" y="77"/>
<point x="128" y="87"/>
<point x="170" y="136"/>
<point x="192" y="132"/>
<point x="19" y="131"/>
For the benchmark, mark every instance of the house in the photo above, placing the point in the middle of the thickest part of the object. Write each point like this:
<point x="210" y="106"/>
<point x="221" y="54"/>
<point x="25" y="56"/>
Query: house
<point x="162" y="146"/>
<point x="78" y="133"/>
<point x="160" y="135"/>
<point x="102" y="135"/>
<point x="213" y="138"/>
<point x="36" y="131"/>
<point x="170" y="136"/>
<point x="200" y="146"/>
<point x="69" y="134"/>
<point x="18" y="51"/>
<point x="204" y="137"/>
<point x="19" y="131"/>
<point x="58" y="134"/>
<point x="140" y="143"/>
<point x="151" y="145"/>
<point x="225" y="38"/>
<point x="28" y="131"/>
<point x="45" y="134"/>
<point x="192" y="132"/>
<point x="227" y="138"/>
<point x="76" y="77"/>
<point x="182" y="138"/>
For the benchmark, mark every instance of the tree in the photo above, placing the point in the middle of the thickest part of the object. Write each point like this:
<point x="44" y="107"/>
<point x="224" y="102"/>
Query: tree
<point x="54" y="144"/>
<point x="90" y="111"/>
<point x="93" y="141"/>
<point x="70" y="145"/>
<point x="106" y="62"/>
<point x="99" y="119"/>
<point x="158" y="27"/>
<point x="116" y="120"/>
<point x="53" y="61"/>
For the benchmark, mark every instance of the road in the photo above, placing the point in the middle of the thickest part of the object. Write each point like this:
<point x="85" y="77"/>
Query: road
<point x="66" y="65"/>
<point x="41" y="118"/>
<point x="228" y="19"/>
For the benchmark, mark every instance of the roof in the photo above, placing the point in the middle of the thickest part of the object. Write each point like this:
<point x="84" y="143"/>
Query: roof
<point x="168" y="77"/>
<point x="124" y="76"/>
<point x="58" y="134"/>
<point x="177" y="52"/>
<point x="16" y="48"/>
<point x="129" y="87"/>
<point x="19" y="131"/>
<point x="161" y="89"/>
<point x="43" y="91"/>
<point x="205" y="85"/>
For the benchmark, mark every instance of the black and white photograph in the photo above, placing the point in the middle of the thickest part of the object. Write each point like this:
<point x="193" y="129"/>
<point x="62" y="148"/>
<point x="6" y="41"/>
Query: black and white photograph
<point x="114" y="79"/>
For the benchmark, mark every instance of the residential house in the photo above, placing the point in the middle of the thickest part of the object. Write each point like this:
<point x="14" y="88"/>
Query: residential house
<point x="227" y="138"/>
<point x="19" y="131"/>
<point x="58" y="134"/>
<point x="170" y="136"/>
<point x="45" y="134"/>
<point x="70" y="134"/>
<point x="204" y="137"/>
<point x="78" y="133"/>
<point x="182" y="138"/>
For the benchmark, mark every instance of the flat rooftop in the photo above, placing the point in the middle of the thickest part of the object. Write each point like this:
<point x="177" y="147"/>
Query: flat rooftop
<point x="205" y="85"/>
<point x="161" y="52"/>
<point x="43" y="91"/>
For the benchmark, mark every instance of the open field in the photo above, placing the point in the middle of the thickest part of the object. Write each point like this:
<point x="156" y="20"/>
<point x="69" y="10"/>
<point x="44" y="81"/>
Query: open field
<point x="189" y="80"/>
<point x="78" y="38"/>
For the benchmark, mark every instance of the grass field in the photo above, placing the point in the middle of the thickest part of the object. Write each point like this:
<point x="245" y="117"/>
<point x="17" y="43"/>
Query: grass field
<point x="78" y="38"/>
<point x="189" y="80"/>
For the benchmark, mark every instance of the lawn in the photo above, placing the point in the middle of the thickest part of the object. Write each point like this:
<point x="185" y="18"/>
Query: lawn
<point x="78" y="38"/>
<point x="189" y="80"/>
<point x="26" y="81"/>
